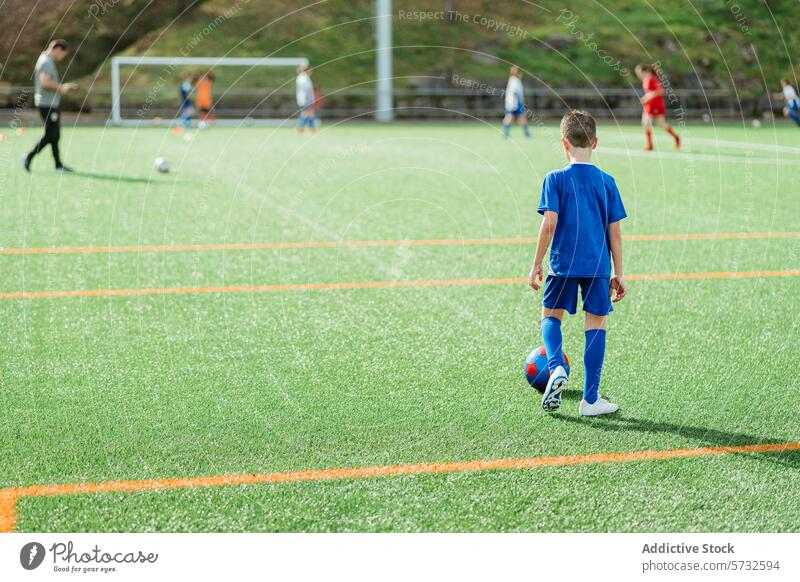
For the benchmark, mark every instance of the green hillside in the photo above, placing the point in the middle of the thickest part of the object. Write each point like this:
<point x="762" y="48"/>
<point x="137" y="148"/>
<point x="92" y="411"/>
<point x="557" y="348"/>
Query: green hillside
<point x="744" y="45"/>
<point x="724" y="44"/>
<point x="95" y="30"/>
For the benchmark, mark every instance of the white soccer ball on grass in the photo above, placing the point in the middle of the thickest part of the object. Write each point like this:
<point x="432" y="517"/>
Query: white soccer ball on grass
<point x="162" y="165"/>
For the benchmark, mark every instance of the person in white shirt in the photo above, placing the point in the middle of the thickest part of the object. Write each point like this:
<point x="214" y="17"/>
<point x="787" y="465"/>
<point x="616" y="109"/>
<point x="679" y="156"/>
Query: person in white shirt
<point x="305" y="99"/>
<point x="515" y="103"/>
<point x="792" y="109"/>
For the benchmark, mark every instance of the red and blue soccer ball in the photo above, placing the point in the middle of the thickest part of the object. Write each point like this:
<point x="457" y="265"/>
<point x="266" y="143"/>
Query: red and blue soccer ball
<point x="536" y="371"/>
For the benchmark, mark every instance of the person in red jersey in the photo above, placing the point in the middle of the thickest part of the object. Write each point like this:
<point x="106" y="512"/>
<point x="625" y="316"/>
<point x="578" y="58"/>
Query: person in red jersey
<point x="655" y="109"/>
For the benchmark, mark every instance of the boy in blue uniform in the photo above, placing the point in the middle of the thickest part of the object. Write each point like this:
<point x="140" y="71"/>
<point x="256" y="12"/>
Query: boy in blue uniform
<point x="187" y="110"/>
<point x="582" y="208"/>
<point x="792" y="109"/>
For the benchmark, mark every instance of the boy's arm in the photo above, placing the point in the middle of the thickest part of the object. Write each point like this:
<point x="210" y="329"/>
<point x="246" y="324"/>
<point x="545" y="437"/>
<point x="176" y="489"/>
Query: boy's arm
<point x="546" y="231"/>
<point x="617" y="281"/>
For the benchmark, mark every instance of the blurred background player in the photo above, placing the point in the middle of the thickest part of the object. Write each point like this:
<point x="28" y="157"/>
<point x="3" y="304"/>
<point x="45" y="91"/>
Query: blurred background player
<point x="792" y="109"/>
<point x="186" y="100"/>
<point x="655" y="108"/>
<point x="204" y="83"/>
<point x="305" y="99"/>
<point x="47" y="99"/>
<point x="515" y="103"/>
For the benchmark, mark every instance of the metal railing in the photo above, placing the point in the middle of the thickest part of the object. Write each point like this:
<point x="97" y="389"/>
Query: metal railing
<point x="410" y="103"/>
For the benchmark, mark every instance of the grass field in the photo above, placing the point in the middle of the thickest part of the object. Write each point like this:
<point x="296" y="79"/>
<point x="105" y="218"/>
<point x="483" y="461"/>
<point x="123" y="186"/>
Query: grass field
<point x="226" y="377"/>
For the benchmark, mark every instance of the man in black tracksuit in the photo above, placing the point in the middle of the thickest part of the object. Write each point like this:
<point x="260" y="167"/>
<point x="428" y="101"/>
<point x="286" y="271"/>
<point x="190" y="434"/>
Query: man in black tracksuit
<point x="47" y="100"/>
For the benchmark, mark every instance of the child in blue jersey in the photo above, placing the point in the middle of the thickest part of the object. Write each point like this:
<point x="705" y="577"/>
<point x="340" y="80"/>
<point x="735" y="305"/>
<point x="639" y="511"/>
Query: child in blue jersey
<point x="187" y="110"/>
<point x="582" y="208"/>
<point x="792" y="109"/>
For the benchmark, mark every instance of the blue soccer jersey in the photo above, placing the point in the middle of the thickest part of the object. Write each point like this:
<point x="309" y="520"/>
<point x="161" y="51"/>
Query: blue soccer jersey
<point x="586" y="200"/>
<point x="186" y="91"/>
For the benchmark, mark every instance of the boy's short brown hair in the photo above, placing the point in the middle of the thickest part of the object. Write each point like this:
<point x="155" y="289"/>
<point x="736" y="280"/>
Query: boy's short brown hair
<point x="59" y="43"/>
<point x="579" y="128"/>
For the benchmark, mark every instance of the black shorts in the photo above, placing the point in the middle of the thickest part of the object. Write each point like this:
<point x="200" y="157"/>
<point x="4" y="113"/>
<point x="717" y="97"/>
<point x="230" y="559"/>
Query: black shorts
<point x="51" y="117"/>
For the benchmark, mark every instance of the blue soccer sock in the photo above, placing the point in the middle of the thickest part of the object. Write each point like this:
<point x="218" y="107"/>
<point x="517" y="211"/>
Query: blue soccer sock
<point x="551" y="334"/>
<point x="593" y="356"/>
<point x="506" y="128"/>
<point x="525" y="130"/>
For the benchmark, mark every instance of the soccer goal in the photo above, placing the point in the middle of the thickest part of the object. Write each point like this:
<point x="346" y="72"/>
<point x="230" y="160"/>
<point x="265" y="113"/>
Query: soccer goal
<point x="224" y="90"/>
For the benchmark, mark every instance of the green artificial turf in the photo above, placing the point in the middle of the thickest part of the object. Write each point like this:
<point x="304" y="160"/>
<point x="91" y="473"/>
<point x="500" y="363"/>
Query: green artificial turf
<point x="143" y="387"/>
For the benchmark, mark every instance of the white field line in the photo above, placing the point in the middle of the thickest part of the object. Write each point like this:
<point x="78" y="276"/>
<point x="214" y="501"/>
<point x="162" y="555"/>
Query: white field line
<point x="718" y="143"/>
<point x="716" y="158"/>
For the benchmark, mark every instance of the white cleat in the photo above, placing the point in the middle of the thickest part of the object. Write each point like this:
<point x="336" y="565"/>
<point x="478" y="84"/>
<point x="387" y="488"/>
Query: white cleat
<point x="602" y="406"/>
<point x="551" y="399"/>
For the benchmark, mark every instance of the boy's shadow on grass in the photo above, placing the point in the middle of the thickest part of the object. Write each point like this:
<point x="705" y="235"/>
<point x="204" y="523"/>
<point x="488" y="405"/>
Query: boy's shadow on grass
<point x="704" y="436"/>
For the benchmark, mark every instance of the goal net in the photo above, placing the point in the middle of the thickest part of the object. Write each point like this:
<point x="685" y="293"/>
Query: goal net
<point x="222" y="90"/>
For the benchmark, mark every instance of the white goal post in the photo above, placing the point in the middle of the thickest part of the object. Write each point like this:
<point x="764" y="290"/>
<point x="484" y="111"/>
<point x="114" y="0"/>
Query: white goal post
<point x="172" y="64"/>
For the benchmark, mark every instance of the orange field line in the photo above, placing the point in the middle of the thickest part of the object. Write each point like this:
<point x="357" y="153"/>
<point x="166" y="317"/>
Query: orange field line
<point x="10" y="496"/>
<point x="368" y="285"/>
<point x="8" y="511"/>
<point x="373" y="243"/>
<point x="257" y="288"/>
<point x="269" y="245"/>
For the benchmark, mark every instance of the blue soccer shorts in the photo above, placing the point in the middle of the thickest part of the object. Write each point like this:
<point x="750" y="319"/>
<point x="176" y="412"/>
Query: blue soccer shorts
<point x="520" y="110"/>
<point x="562" y="293"/>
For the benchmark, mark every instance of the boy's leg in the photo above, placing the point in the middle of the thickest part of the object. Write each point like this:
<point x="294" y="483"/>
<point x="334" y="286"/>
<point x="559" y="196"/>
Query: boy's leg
<point x="523" y="121"/>
<point x="793" y="114"/>
<point x="552" y="338"/>
<point x="560" y="295"/>
<point x="593" y="355"/>
<point x="507" y="124"/>
<point x="597" y="306"/>
<point x="558" y="380"/>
